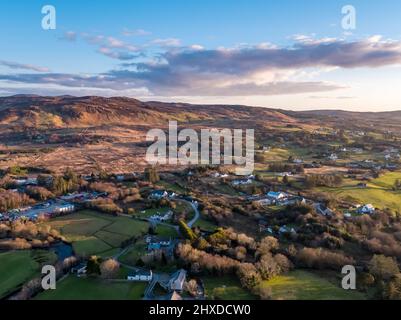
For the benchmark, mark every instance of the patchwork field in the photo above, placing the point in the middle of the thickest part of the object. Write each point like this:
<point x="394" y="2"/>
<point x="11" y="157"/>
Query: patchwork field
<point x="95" y="233"/>
<point x="302" y="285"/>
<point x="378" y="192"/>
<point x="74" y="288"/>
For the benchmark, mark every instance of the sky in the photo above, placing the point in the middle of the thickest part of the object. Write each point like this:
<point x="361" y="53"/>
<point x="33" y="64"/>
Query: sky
<point x="290" y="54"/>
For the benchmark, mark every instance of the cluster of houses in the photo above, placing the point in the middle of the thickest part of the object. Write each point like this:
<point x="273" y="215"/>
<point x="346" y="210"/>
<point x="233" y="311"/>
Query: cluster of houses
<point x="245" y="181"/>
<point x="161" y="194"/>
<point x="157" y="243"/>
<point x="48" y="209"/>
<point x="162" y="217"/>
<point x="174" y="285"/>
<point x="279" y="198"/>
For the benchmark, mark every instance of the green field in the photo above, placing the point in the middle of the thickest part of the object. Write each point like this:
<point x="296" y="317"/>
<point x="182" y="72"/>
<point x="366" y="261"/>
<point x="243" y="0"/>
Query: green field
<point x="74" y="288"/>
<point x="166" y="231"/>
<point x="132" y="256"/>
<point x="16" y="267"/>
<point x="225" y="288"/>
<point x="302" y="285"/>
<point x="378" y="192"/>
<point x="206" y="225"/>
<point x="95" y="233"/>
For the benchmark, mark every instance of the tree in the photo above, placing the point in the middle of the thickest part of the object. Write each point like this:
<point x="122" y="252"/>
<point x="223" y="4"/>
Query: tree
<point x="93" y="265"/>
<point x="192" y="287"/>
<point x="393" y="288"/>
<point x="248" y="275"/>
<point x="151" y="174"/>
<point x="109" y="269"/>
<point x="187" y="231"/>
<point x="383" y="268"/>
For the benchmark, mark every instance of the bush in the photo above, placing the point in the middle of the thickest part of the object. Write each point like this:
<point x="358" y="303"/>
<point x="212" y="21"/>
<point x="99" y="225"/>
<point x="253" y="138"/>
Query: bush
<point x="383" y="268"/>
<point x="322" y="259"/>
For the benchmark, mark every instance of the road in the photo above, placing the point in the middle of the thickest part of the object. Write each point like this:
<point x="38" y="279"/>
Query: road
<point x="196" y="210"/>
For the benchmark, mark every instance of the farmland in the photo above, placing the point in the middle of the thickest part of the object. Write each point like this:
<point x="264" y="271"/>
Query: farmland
<point x="74" y="288"/>
<point x="94" y="233"/>
<point x="302" y="285"/>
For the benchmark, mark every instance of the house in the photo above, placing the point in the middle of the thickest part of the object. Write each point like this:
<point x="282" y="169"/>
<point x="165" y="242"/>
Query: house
<point x="64" y="208"/>
<point x="26" y="182"/>
<point x="157" y="243"/>
<point x="333" y="157"/>
<point x="158" y="195"/>
<point x="324" y="211"/>
<point x="158" y="217"/>
<point x="80" y="269"/>
<point x="177" y="280"/>
<point x="276" y="196"/>
<point x="285" y="229"/>
<point x="242" y="182"/>
<point x="145" y="276"/>
<point x="265" y="202"/>
<point x="366" y="209"/>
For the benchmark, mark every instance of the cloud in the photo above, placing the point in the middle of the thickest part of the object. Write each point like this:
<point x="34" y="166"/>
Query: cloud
<point x="109" y="46"/>
<point x="136" y="33"/>
<point x="117" y="54"/>
<point x="165" y="43"/>
<point x="263" y="69"/>
<point x="69" y="36"/>
<point x="21" y="66"/>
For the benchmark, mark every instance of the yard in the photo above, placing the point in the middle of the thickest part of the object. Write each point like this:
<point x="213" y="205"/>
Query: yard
<point x="95" y="233"/>
<point x="302" y="285"/>
<point x="74" y="288"/>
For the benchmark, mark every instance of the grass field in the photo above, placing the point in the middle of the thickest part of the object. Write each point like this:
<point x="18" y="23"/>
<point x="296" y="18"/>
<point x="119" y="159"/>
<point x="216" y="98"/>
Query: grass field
<point x="132" y="256"/>
<point x="166" y="231"/>
<point x="378" y="191"/>
<point x="226" y="288"/>
<point x="74" y="288"/>
<point x="16" y="267"/>
<point x="302" y="285"/>
<point x="94" y="233"/>
<point x="206" y="225"/>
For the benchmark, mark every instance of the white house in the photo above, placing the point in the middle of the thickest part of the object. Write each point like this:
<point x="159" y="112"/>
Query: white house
<point x="333" y="157"/>
<point x="145" y="276"/>
<point x="65" y="208"/>
<point x="276" y="195"/>
<point x="242" y="182"/>
<point x="177" y="280"/>
<point x="158" y="195"/>
<point x="366" y="209"/>
<point x="165" y="217"/>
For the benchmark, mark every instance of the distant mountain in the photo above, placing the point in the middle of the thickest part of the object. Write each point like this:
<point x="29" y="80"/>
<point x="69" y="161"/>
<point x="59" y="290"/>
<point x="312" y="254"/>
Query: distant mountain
<point x="68" y="111"/>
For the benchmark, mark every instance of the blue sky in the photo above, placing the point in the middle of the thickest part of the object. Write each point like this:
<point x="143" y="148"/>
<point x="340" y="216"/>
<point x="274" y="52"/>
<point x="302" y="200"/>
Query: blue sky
<point x="207" y="51"/>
